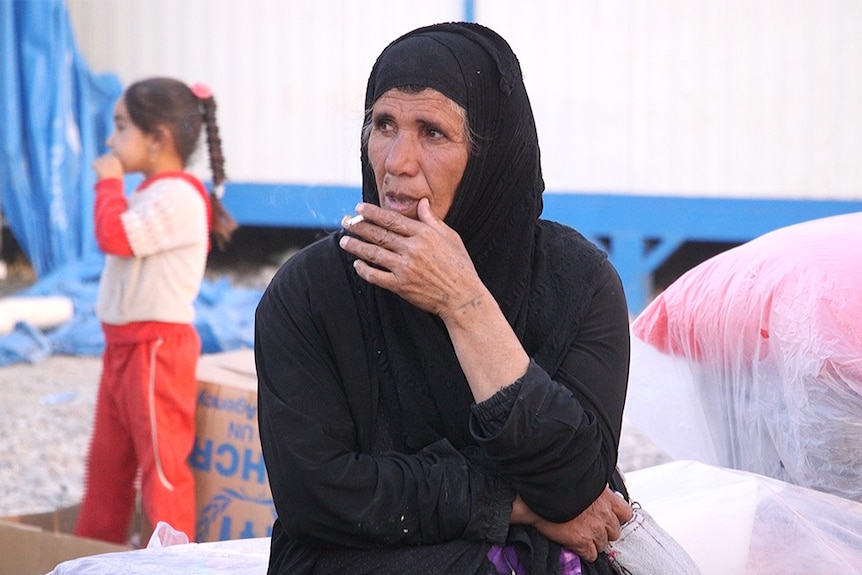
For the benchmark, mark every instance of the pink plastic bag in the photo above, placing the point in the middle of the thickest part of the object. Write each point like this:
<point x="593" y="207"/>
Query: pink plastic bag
<point x="773" y="332"/>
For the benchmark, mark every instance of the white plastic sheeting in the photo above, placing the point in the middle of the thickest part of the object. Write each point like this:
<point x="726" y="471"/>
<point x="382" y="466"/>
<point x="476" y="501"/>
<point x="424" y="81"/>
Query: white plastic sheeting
<point x="39" y="311"/>
<point x="238" y="557"/>
<point x="730" y="522"/>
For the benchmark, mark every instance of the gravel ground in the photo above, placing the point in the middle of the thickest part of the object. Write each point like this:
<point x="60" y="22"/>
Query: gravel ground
<point x="46" y="416"/>
<point x="46" y="409"/>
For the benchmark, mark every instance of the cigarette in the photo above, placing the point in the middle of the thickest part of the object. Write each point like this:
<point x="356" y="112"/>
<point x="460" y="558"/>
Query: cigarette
<point x="354" y="220"/>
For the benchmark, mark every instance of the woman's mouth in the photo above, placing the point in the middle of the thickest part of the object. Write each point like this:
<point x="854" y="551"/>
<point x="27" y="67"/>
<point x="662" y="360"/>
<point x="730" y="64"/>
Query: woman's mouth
<point x="404" y="205"/>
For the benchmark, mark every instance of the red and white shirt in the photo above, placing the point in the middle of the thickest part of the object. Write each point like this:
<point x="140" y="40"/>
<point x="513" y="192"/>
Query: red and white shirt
<point x="156" y="244"/>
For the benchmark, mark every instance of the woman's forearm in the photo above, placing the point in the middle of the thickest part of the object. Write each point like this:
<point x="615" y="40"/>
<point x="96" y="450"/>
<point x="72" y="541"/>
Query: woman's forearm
<point x="488" y="350"/>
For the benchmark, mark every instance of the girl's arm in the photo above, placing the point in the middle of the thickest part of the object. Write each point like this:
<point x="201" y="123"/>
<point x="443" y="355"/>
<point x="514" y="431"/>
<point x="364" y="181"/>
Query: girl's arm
<point x="109" y="206"/>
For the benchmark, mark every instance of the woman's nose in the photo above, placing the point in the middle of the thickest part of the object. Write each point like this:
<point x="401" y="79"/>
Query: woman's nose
<point x="403" y="155"/>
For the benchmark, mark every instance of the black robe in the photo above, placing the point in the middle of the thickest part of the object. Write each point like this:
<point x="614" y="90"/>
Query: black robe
<point x="320" y="366"/>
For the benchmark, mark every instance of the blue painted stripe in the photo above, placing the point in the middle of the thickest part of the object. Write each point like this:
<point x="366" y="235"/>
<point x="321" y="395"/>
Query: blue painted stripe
<point x="694" y="218"/>
<point x="469" y="11"/>
<point x="290" y="206"/>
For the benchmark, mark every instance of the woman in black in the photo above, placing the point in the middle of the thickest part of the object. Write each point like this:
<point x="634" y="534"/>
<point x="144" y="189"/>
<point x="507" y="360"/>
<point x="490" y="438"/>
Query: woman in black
<point x="441" y="384"/>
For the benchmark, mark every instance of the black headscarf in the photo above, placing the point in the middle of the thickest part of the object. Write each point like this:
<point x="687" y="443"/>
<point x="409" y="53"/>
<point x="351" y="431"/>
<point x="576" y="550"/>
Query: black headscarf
<point x="496" y="212"/>
<point x="500" y="195"/>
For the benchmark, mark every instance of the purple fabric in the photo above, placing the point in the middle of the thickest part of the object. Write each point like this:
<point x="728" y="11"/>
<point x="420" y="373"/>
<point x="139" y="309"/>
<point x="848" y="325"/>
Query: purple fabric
<point x="570" y="563"/>
<point x="506" y="561"/>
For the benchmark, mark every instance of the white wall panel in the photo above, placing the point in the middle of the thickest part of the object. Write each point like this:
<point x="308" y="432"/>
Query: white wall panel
<point x="576" y="62"/>
<point x="693" y="97"/>
<point x="289" y="76"/>
<point x="748" y="98"/>
<point x="685" y="97"/>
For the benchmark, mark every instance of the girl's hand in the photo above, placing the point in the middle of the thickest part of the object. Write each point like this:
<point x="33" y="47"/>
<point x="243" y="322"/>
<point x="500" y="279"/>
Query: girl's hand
<point x="108" y="166"/>
<point x="423" y="261"/>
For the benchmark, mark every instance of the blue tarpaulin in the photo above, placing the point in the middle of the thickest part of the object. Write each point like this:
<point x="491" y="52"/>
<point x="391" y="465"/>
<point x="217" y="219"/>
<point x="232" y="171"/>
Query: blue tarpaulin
<point x="55" y="118"/>
<point x="55" y="115"/>
<point x="224" y="316"/>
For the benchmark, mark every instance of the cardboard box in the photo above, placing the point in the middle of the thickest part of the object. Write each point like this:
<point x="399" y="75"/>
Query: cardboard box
<point x="35" y="544"/>
<point x="232" y="489"/>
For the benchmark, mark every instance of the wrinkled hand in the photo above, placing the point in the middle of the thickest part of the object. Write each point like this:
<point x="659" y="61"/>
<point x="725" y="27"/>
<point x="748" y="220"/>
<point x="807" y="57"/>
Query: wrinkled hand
<point x="589" y="533"/>
<point x="107" y="166"/>
<point x="423" y="261"/>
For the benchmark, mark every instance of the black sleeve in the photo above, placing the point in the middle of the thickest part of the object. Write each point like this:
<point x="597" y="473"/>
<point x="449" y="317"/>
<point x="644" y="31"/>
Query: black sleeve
<point x="558" y="437"/>
<point x="326" y="490"/>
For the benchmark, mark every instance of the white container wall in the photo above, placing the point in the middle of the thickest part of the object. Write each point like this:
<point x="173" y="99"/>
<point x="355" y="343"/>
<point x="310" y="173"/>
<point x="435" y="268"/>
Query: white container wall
<point x="288" y="76"/>
<point x="738" y="98"/>
<point x="694" y="97"/>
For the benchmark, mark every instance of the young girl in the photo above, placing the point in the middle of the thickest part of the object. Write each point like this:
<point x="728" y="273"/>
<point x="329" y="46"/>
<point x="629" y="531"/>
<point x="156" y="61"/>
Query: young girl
<point x="156" y="243"/>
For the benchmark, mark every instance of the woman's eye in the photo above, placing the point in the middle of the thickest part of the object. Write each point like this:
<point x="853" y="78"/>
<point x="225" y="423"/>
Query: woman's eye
<point x="384" y="125"/>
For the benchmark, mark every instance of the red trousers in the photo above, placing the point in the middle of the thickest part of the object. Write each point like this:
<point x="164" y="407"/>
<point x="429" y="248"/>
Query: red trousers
<point x="145" y="420"/>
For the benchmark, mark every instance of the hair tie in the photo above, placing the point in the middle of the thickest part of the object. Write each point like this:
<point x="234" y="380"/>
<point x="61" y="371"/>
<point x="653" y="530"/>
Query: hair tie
<point x="202" y="91"/>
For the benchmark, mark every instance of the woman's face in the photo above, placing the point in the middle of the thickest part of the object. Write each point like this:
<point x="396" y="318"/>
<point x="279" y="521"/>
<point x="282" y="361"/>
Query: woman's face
<point x="418" y="148"/>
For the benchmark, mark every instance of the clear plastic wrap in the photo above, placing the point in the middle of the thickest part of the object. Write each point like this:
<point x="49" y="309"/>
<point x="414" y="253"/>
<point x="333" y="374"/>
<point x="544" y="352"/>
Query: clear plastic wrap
<point x="237" y="557"/>
<point x="753" y="359"/>
<point x="739" y="523"/>
<point x="730" y="523"/>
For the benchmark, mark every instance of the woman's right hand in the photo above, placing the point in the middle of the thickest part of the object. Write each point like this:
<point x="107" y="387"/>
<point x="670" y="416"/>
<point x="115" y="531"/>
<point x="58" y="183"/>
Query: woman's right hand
<point x="108" y="166"/>
<point x="425" y="262"/>
<point x="589" y="533"/>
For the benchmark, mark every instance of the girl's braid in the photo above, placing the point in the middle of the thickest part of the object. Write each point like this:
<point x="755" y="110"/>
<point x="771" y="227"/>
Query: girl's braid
<point x="223" y="224"/>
